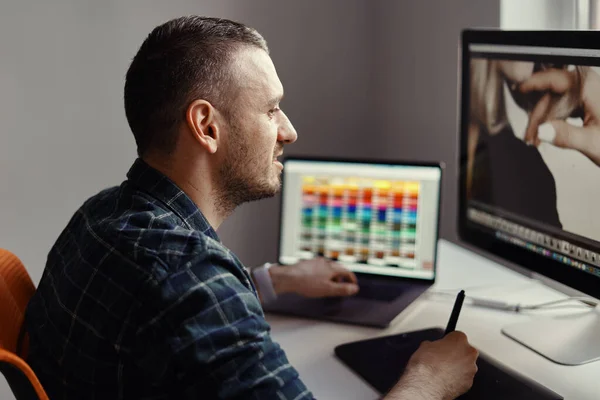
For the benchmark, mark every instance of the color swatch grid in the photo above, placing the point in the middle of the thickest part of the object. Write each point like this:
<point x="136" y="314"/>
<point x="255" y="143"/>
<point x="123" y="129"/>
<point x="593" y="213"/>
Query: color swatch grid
<point x="360" y="220"/>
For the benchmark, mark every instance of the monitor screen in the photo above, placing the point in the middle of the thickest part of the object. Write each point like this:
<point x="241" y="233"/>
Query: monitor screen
<point x="530" y="155"/>
<point x="372" y="217"/>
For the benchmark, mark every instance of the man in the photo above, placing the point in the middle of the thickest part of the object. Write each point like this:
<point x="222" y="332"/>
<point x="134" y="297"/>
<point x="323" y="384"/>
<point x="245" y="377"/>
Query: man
<point x="139" y="299"/>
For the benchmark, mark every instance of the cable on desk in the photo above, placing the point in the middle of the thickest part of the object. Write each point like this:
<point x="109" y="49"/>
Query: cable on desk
<point x="518" y="307"/>
<point x="588" y="301"/>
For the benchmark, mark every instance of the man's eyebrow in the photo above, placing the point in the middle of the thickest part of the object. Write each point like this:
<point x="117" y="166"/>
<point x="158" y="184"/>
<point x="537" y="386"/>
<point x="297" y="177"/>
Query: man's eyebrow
<point x="276" y="100"/>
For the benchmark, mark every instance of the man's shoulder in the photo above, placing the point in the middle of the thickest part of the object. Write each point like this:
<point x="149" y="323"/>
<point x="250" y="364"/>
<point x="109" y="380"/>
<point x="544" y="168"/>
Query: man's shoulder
<point x="141" y="230"/>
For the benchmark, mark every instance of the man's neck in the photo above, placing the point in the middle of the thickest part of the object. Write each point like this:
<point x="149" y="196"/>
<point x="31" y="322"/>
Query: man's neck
<point x="196" y="181"/>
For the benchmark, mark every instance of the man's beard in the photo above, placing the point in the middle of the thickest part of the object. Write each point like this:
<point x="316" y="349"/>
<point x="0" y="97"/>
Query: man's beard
<point x="241" y="178"/>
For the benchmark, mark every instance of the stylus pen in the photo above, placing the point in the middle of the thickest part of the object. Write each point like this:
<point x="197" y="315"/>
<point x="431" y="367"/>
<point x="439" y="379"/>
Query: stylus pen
<point x="455" y="312"/>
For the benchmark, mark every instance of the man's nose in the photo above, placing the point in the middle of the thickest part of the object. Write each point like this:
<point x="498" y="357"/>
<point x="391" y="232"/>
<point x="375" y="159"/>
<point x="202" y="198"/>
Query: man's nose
<point x="287" y="133"/>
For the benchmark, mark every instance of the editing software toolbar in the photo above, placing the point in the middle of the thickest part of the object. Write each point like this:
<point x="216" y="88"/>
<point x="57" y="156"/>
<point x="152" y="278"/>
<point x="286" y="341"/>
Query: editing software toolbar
<point x="552" y="247"/>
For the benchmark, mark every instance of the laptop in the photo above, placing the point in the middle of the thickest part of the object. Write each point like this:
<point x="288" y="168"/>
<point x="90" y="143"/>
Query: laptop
<point x="378" y="219"/>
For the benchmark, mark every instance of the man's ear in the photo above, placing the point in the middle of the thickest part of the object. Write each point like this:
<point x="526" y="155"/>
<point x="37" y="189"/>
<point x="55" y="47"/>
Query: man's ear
<point x="201" y="118"/>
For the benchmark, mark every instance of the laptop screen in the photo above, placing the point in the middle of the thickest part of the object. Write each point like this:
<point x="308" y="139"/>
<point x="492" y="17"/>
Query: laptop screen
<point x="373" y="218"/>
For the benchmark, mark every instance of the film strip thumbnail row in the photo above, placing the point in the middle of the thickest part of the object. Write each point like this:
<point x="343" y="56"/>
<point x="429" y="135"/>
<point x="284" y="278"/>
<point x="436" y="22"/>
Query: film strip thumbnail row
<point x="550" y="254"/>
<point x="534" y="236"/>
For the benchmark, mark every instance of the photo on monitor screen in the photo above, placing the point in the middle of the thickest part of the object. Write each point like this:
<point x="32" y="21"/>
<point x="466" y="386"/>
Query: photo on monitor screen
<point x="533" y="150"/>
<point x="523" y="143"/>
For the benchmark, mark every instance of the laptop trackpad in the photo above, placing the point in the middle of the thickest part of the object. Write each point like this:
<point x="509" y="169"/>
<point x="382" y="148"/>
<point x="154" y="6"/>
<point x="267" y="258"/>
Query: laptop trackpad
<point x="380" y="292"/>
<point x="353" y="309"/>
<point x="342" y="307"/>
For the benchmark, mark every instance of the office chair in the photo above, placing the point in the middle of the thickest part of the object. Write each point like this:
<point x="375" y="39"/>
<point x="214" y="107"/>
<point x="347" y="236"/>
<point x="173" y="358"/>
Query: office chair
<point x="16" y="288"/>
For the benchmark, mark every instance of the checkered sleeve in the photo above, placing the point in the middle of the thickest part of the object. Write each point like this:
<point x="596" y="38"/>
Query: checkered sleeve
<point x="208" y="335"/>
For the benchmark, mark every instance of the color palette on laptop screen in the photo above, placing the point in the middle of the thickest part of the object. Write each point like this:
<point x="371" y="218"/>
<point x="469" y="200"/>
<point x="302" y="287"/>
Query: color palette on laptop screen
<point x="360" y="220"/>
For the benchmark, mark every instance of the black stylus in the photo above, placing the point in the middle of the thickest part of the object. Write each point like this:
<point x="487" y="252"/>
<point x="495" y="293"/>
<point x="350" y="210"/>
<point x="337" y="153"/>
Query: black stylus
<point x="455" y="312"/>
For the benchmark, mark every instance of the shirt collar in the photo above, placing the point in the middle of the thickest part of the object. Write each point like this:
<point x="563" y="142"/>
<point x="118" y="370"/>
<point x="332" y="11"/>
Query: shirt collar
<point x="153" y="182"/>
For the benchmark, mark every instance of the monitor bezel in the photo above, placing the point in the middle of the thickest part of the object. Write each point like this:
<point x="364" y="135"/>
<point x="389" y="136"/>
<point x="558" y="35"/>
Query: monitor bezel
<point x="480" y="238"/>
<point x="439" y="165"/>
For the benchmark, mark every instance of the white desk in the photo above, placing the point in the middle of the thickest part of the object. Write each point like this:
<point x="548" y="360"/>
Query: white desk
<point x="309" y="344"/>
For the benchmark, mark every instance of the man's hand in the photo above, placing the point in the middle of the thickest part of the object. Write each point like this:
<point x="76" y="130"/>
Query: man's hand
<point x="318" y="277"/>
<point x="440" y="370"/>
<point x="543" y="127"/>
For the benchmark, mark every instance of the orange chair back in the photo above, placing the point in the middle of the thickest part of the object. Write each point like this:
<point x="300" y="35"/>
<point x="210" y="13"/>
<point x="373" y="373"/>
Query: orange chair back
<point x="16" y="288"/>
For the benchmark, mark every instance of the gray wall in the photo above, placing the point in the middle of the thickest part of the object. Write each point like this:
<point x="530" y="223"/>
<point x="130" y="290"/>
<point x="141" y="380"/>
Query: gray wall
<point x="397" y="96"/>
<point x="416" y="83"/>
<point x="324" y="56"/>
<point x="362" y="78"/>
<point x="64" y="133"/>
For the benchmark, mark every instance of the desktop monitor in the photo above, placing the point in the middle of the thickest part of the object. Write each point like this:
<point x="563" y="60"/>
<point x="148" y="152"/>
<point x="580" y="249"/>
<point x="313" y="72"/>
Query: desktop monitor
<point x="530" y="169"/>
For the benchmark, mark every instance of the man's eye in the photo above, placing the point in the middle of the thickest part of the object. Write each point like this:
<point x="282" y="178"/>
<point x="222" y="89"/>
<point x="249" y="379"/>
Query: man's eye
<point x="273" y="111"/>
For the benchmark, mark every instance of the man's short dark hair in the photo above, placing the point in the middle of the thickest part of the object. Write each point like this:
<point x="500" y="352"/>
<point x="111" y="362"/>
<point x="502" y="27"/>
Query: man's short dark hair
<point x="182" y="60"/>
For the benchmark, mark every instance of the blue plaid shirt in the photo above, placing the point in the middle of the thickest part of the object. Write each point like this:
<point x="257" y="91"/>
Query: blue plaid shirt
<point x="140" y="300"/>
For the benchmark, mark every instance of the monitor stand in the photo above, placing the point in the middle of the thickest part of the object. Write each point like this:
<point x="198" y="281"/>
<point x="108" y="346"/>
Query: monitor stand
<point x="573" y="339"/>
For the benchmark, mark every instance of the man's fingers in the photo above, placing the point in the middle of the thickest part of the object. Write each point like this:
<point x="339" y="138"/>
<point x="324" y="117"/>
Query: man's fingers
<point x="555" y="80"/>
<point x="341" y="289"/>
<point x="539" y="113"/>
<point x="342" y="274"/>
